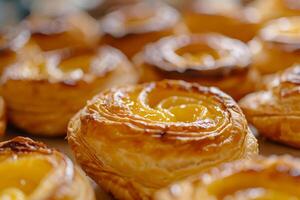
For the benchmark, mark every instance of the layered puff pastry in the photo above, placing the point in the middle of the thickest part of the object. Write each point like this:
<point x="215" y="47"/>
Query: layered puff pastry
<point x="270" y="9"/>
<point x="275" y="177"/>
<point x="230" y="18"/>
<point x="31" y="171"/>
<point x="135" y="140"/>
<point x="275" y="110"/>
<point x="131" y="27"/>
<point x="277" y="45"/>
<point x="42" y="94"/>
<point x="208" y="59"/>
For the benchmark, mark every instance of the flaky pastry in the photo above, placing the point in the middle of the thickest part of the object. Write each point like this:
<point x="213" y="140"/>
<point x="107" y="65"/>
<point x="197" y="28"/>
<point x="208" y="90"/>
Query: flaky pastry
<point x="131" y="27"/>
<point x="135" y="140"/>
<point x="43" y="93"/>
<point x="275" y="111"/>
<point x="31" y="171"/>
<point x="229" y="18"/>
<point x="277" y="46"/>
<point x="208" y="59"/>
<point x="260" y="178"/>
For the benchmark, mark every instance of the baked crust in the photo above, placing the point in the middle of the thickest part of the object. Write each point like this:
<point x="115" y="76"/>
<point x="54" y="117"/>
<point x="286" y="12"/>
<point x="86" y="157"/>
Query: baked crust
<point x="30" y="170"/>
<point x="275" y="110"/>
<point x="131" y="27"/>
<point x="208" y="59"/>
<point x="42" y="94"/>
<point x="259" y="178"/>
<point x="228" y="18"/>
<point x="135" y="140"/>
<point x="277" y="45"/>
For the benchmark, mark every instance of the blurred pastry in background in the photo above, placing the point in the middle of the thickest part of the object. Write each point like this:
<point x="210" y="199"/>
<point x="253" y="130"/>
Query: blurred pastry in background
<point x="131" y="27"/>
<point x="43" y="93"/>
<point x="266" y="10"/>
<point x="30" y="170"/>
<point x="227" y="17"/>
<point x="277" y="45"/>
<point x="275" y="111"/>
<point x="41" y="34"/>
<point x="207" y="59"/>
<point x="72" y="30"/>
<point x="274" y="177"/>
<point x="138" y="139"/>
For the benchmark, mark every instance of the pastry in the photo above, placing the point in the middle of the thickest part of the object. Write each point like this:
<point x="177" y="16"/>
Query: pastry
<point x="37" y="34"/>
<point x="277" y="45"/>
<point x="74" y="30"/>
<point x="208" y="59"/>
<point x="275" y="177"/>
<point x="135" y="140"/>
<point x="43" y="93"/>
<point x="266" y="10"/>
<point x="31" y="171"/>
<point x="130" y="27"/>
<point x="275" y="111"/>
<point x="228" y="17"/>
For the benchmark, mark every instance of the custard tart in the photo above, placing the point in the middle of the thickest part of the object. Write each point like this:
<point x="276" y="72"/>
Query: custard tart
<point x="275" y="177"/>
<point x="135" y="140"/>
<point x="131" y="27"/>
<point x="275" y="111"/>
<point x="43" y="93"/>
<point x="277" y="46"/>
<point x="266" y="10"/>
<point x="208" y="59"/>
<point x="31" y="171"/>
<point x="229" y="18"/>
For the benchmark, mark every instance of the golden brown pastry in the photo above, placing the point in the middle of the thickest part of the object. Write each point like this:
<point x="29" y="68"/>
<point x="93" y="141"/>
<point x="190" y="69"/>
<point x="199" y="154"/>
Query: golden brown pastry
<point x="275" y="112"/>
<point x="43" y="93"/>
<point x="228" y="17"/>
<point x="74" y="30"/>
<point x="130" y="28"/>
<point x="30" y="170"/>
<point x="135" y="140"/>
<point x="260" y="178"/>
<point x="208" y="59"/>
<point x="277" y="46"/>
<point x="271" y="9"/>
<point x="40" y="34"/>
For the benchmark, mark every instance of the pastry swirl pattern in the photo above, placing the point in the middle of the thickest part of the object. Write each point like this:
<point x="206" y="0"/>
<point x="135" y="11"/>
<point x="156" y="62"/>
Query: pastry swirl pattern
<point x="141" y="138"/>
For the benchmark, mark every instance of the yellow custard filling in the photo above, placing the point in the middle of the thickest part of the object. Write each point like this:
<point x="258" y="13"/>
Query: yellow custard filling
<point x="252" y="187"/>
<point x="198" y="54"/>
<point x="163" y="105"/>
<point x="21" y="175"/>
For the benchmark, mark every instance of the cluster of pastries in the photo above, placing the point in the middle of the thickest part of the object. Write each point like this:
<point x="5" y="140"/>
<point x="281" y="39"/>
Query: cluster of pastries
<point x="147" y="96"/>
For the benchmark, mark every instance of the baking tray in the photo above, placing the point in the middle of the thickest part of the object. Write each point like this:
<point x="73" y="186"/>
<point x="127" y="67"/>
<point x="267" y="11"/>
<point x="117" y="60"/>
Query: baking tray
<point x="266" y="148"/>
